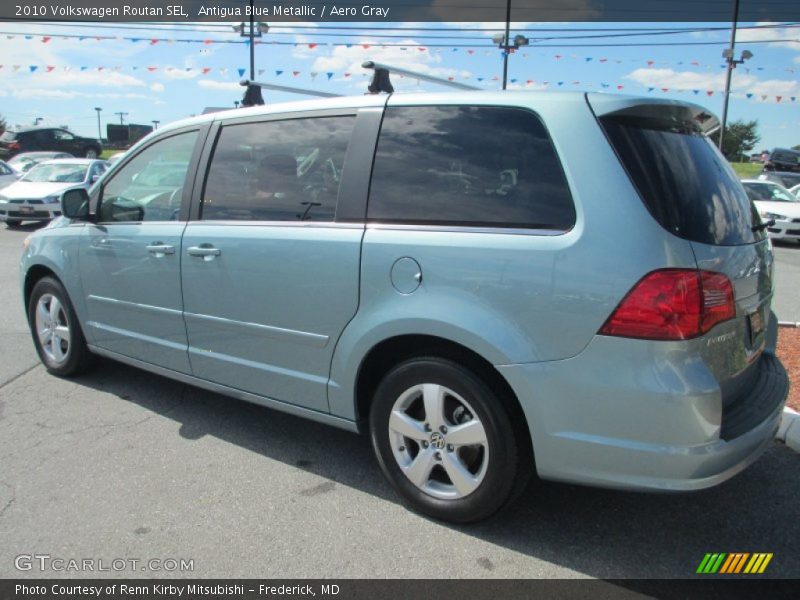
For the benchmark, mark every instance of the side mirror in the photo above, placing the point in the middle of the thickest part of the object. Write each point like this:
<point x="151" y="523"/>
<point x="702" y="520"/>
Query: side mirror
<point x="75" y="204"/>
<point x="95" y="178"/>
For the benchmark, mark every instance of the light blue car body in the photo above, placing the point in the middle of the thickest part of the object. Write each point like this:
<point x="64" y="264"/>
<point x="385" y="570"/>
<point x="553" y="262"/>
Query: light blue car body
<point x="289" y="314"/>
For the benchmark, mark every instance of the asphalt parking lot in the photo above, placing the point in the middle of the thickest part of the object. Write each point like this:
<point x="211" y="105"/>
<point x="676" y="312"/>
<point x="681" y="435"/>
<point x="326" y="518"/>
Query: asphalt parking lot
<point x="123" y="464"/>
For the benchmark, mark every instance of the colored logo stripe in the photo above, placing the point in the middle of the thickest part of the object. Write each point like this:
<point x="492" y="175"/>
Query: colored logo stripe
<point x="734" y="563"/>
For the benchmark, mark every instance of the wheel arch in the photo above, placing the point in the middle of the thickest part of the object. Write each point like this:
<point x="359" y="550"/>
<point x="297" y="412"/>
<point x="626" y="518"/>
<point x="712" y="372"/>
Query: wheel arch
<point x="32" y="275"/>
<point x="393" y="350"/>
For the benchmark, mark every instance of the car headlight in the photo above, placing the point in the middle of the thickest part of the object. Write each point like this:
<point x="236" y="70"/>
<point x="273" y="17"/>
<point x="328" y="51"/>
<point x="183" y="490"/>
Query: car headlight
<point x="55" y="199"/>
<point x="771" y="215"/>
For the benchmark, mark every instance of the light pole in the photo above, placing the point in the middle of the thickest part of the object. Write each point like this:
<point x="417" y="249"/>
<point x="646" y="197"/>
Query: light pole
<point x="99" y="129"/>
<point x="155" y="124"/>
<point x="502" y="40"/>
<point x="121" y="115"/>
<point x="727" y="54"/>
<point x="254" y="31"/>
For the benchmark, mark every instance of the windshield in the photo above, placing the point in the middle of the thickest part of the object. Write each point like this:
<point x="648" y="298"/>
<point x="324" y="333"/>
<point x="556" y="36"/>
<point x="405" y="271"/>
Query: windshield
<point x="57" y="173"/>
<point x="768" y="193"/>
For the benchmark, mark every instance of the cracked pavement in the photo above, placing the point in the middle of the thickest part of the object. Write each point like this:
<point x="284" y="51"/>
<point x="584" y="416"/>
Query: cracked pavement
<point x="119" y="463"/>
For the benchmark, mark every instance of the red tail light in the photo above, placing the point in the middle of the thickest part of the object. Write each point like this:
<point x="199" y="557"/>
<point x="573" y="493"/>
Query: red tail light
<point x="14" y="146"/>
<point x="673" y="304"/>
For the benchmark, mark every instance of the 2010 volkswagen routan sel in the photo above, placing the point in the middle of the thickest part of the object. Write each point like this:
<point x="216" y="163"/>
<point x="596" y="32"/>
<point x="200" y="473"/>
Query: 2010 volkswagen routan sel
<point x="491" y="284"/>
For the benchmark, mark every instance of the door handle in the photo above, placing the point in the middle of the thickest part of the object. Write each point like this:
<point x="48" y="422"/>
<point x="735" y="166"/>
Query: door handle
<point x="205" y="251"/>
<point x="160" y="249"/>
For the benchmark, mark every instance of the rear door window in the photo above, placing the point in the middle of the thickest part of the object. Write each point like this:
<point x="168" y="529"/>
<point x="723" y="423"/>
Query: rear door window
<point x="684" y="181"/>
<point x="285" y="170"/>
<point x="468" y="166"/>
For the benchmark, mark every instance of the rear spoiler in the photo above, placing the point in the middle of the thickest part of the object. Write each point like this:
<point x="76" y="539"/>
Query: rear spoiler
<point x="676" y="111"/>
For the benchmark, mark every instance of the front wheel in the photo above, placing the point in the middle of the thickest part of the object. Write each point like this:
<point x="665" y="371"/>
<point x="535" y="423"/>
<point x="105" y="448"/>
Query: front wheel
<point x="444" y="440"/>
<point x="56" y="333"/>
<point x="13" y="222"/>
<point x="91" y="153"/>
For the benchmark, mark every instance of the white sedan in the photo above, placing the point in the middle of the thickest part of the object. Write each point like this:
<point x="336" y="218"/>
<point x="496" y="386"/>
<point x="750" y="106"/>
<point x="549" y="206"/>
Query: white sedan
<point x="7" y="175"/>
<point x="774" y="201"/>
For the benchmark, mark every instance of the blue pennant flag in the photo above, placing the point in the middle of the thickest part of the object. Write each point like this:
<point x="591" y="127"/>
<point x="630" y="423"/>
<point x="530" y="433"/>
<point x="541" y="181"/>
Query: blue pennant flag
<point x="329" y="74"/>
<point x="241" y="72"/>
<point x="278" y="72"/>
<point x="33" y="68"/>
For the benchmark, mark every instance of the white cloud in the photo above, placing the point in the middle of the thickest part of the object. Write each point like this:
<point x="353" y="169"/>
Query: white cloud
<point x="213" y="84"/>
<point x="791" y="36"/>
<point x="691" y="80"/>
<point x="157" y="87"/>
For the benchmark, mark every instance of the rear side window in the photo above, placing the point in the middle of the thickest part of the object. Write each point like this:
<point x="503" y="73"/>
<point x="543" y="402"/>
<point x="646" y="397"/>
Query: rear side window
<point x="277" y="170"/>
<point x="468" y="166"/>
<point x="8" y="136"/>
<point x="686" y="184"/>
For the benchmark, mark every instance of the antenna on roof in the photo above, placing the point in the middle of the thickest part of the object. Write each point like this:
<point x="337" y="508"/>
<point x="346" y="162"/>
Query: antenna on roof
<point x="378" y="67"/>
<point x="281" y="88"/>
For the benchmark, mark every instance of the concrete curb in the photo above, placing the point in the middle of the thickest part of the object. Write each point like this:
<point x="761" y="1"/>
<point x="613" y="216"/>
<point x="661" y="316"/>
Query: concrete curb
<point x="789" y="430"/>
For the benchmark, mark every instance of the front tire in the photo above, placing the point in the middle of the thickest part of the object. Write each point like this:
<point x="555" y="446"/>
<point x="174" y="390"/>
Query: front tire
<point x="444" y="440"/>
<point x="91" y="153"/>
<point x="56" y="332"/>
<point x="13" y="223"/>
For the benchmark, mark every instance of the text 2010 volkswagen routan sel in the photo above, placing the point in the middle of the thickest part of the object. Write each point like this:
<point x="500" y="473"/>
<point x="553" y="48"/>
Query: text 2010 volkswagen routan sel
<point x="490" y="284"/>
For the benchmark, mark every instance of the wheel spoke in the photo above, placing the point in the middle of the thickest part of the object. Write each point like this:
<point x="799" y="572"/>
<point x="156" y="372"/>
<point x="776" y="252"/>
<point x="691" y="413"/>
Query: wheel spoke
<point x="55" y="347"/>
<point x="44" y="335"/>
<point x="401" y="423"/>
<point x="55" y="308"/>
<point x="461" y="478"/>
<point x="41" y="313"/>
<point x="470" y="433"/>
<point x="433" y="398"/>
<point x="419" y="471"/>
<point x="62" y="331"/>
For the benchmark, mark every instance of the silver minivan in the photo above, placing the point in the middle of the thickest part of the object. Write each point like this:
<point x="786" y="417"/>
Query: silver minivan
<point x="491" y="285"/>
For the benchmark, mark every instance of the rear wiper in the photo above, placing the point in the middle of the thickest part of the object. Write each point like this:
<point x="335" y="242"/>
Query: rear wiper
<point x="763" y="225"/>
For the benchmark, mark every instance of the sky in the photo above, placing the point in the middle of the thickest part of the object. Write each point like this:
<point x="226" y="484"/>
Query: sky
<point x="151" y="72"/>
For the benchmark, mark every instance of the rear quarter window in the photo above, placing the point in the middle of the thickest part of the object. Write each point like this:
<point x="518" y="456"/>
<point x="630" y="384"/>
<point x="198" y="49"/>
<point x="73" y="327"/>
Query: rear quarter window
<point x="468" y="166"/>
<point x="686" y="184"/>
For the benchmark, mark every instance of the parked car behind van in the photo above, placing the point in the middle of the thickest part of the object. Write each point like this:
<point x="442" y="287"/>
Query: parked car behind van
<point x="492" y="285"/>
<point x="51" y="139"/>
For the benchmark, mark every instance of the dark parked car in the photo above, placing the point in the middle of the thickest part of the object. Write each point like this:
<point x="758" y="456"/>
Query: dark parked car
<point x="782" y="159"/>
<point x="49" y="139"/>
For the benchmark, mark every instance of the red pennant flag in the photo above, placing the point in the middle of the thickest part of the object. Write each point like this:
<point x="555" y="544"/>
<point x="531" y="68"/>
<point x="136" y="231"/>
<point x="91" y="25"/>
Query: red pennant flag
<point x="665" y="90"/>
<point x="695" y="63"/>
<point x="710" y="92"/>
<point x="558" y="57"/>
<point x="46" y="39"/>
<point x="603" y="59"/>
<point x="50" y="69"/>
<point x="153" y="42"/>
<point x="207" y="42"/>
<point x="470" y="51"/>
<point x="295" y="73"/>
<point x="619" y="87"/>
<point x="529" y="81"/>
<point x="312" y="46"/>
<point x="206" y="70"/>
<point x="365" y="46"/>
<point x="451" y="78"/>
<point x="152" y="69"/>
<point x="347" y="74"/>
<point x="650" y="63"/>
<point x="100" y="68"/>
<point x="778" y="98"/>
<point x="422" y="49"/>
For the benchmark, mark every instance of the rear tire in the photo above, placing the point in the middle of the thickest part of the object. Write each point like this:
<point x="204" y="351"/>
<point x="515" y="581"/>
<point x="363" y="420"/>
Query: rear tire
<point x="444" y="440"/>
<point x="56" y="332"/>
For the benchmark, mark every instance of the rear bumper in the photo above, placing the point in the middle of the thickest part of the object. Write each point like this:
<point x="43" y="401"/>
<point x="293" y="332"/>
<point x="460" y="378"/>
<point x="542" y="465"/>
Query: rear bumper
<point x="623" y="415"/>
